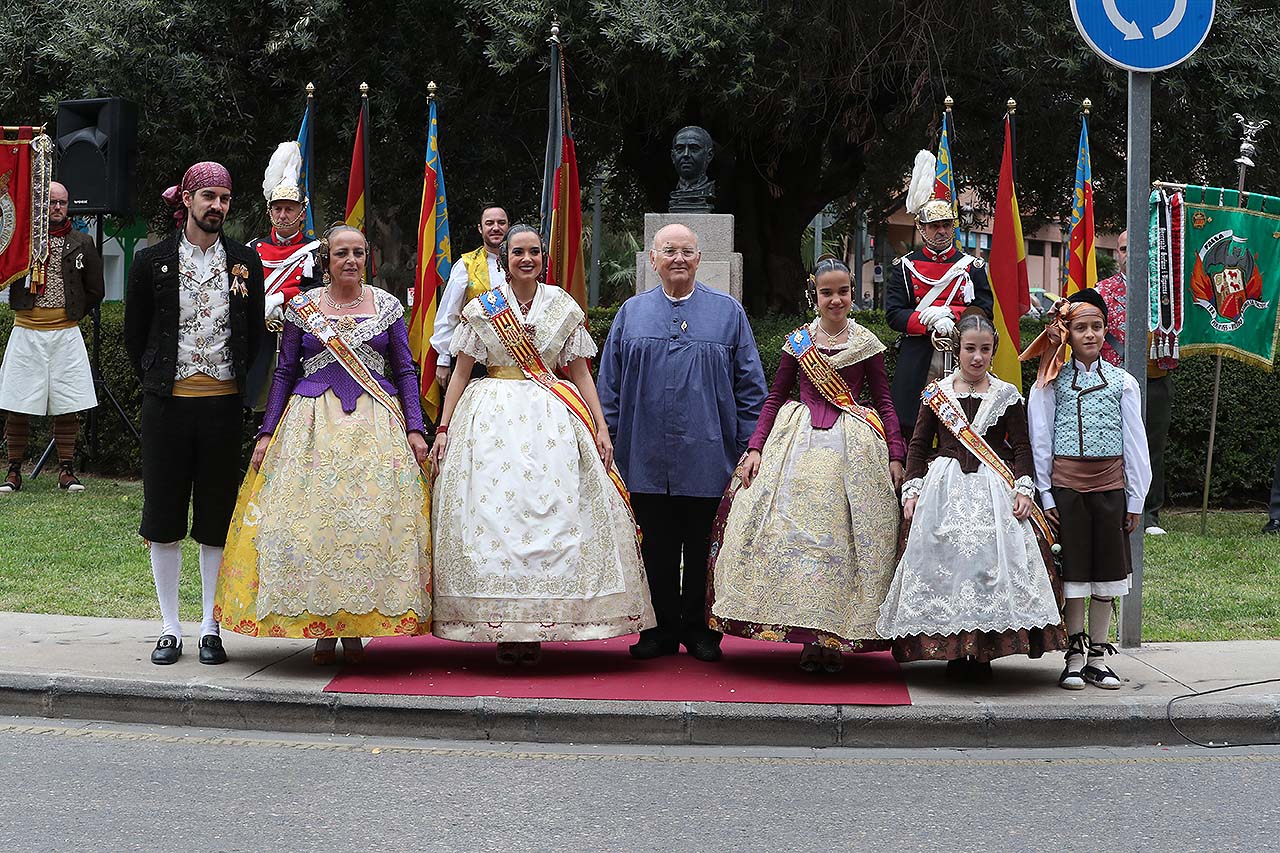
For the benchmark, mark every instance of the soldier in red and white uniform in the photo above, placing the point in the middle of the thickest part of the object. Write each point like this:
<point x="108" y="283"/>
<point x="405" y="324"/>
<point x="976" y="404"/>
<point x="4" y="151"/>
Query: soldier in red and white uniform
<point x="928" y="289"/>
<point x="289" y="260"/>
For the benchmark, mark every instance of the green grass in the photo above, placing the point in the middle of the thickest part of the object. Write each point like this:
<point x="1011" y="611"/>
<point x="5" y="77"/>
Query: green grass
<point x="81" y="555"/>
<point x="1222" y="586"/>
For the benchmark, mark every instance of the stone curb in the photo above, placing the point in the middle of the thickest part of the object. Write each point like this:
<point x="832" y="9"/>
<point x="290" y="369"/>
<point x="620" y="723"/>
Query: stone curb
<point x="984" y="724"/>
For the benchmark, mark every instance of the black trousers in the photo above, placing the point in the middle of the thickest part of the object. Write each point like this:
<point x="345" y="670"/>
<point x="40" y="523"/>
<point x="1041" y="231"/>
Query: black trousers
<point x="1095" y="548"/>
<point x="190" y="461"/>
<point x="677" y="529"/>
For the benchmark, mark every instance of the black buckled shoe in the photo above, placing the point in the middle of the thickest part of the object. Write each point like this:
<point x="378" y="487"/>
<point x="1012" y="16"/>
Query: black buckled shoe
<point x="1272" y="526"/>
<point x="211" y="651"/>
<point x="167" y="651"/>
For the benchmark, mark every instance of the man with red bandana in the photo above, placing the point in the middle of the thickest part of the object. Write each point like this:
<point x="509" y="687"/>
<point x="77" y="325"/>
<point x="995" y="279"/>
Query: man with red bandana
<point x="192" y="323"/>
<point x="289" y="261"/>
<point x="928" y="289"/>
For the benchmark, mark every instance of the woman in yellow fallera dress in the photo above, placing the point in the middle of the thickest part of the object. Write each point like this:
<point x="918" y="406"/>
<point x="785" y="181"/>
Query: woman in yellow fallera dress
<point x="331" y="536"/>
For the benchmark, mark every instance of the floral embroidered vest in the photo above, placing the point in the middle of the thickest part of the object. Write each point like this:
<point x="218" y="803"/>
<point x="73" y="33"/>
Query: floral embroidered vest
<point x="1087" y="421"/>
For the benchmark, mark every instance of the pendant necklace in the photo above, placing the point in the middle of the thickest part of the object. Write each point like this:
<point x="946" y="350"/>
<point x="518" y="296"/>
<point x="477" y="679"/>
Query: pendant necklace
<point x="342" y="306"/>
<point x="831" y="339"/>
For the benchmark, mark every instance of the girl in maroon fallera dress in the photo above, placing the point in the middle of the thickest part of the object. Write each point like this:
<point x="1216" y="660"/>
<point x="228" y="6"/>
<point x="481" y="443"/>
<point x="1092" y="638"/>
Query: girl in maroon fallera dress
<point x="974" y="582"/>
<point x="803" y="547"/>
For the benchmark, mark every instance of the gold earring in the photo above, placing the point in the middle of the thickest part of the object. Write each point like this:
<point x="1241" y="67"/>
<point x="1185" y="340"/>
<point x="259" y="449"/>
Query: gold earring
<point x="326" y="278"/>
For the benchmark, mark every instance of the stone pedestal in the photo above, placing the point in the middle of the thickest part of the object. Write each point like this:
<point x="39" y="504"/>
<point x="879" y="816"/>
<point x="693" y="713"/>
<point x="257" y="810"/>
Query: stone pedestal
<point x="720" y="267"/>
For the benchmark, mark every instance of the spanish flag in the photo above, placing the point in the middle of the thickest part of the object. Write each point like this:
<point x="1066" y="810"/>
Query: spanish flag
<point x="358" y="179"/>
<point x="1082" y="265"/>
<point x="561" y="193"/>
<point x="1008" y="267"/>
<point x="432" y="271"/>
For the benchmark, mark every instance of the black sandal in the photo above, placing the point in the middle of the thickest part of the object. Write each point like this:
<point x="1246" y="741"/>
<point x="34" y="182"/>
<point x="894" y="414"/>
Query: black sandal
<point x="1101" y="675"/>
<point x="1074" y="679"/>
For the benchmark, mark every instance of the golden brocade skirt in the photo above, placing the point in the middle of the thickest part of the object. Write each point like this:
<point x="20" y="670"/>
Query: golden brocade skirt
<point x="331" y="537"/>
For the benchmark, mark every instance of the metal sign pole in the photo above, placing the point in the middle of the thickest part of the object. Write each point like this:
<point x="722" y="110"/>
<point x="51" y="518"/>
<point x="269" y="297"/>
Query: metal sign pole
<point x="1135" y="341"/>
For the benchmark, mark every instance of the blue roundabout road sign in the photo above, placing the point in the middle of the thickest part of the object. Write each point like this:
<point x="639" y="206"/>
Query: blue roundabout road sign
<point x="1143" y="35"/>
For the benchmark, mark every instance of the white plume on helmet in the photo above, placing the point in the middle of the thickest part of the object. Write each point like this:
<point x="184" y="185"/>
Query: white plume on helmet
<point x="284" y="169"/>
<point x="922" y="178"/>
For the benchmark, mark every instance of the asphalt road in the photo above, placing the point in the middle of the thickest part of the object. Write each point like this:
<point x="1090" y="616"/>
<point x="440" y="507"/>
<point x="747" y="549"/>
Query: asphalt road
<point x="86" y="786"/>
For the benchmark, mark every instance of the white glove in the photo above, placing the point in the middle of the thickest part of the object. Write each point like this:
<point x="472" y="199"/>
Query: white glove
<point x="274" y="306"/>
<point x="945" y="326"/>
<point x="930" y="316"/>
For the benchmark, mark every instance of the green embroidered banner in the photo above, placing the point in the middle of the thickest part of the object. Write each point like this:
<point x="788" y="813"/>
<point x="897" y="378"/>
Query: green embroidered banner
<point x="1232" y="264"/>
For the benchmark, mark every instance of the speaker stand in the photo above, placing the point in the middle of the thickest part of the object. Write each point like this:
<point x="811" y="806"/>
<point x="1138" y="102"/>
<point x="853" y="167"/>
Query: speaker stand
<point x="100" y="385"/>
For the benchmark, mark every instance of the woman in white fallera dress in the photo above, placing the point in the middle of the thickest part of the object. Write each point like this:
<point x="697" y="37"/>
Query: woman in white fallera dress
<point x="535" y="540"/>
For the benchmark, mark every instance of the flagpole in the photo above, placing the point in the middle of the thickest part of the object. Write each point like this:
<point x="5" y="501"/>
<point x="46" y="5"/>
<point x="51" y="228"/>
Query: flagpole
<point x="368" y="218"/>
<point x="554" y="133"/>
<point x="311" y="154"/>
<point x="1011" y="106"/>
<point x="1245" y="160"/>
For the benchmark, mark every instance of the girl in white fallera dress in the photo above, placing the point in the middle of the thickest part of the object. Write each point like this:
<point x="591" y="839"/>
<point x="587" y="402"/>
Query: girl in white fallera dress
<point x="535" y="540"/>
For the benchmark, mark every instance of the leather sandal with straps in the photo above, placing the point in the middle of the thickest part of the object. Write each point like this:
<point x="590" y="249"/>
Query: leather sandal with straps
<point x="13" y="481"/>
<point x="1101" y="675"/>
<point x="67" y="480"/>
<point x="1073" y="679"/>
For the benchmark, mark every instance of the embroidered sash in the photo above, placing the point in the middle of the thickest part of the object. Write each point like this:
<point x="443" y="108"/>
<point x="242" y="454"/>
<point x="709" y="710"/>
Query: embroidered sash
<point x="828" y="381"/>
<point x="318" y="324"/>
<point x="511" y="333"/>
<point x="953" y="418"/>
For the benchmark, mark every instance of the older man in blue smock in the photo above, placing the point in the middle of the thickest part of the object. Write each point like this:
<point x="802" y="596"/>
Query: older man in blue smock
<point x="681" y="387"/>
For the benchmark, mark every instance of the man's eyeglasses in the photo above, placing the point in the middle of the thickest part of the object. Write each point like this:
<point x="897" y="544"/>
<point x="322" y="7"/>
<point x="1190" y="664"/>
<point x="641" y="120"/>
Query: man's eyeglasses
<point x="670" y="252"/>
<point x="55" y="202"/>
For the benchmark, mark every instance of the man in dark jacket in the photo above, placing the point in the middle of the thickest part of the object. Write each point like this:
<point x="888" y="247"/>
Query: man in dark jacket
<point x="192" y="322"/>
<point x="46" y="367"/>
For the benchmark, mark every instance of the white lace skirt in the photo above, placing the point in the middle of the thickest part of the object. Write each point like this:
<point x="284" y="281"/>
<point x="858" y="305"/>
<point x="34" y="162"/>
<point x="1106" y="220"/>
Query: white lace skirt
<point x="969" y="565"/>
<point x="533" y="541"/>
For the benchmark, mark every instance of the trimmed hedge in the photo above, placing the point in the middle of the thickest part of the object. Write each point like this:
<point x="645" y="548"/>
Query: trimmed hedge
<point x="1248" y="434"/>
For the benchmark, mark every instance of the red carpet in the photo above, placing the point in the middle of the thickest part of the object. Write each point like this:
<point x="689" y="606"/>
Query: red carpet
<point x="750" y="671"/>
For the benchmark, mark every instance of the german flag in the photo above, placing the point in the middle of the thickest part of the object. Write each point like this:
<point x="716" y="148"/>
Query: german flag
<point x="561" y="192"/>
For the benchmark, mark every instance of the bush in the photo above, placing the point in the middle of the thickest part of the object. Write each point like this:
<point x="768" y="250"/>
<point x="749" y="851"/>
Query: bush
<point x="1247" y="439"/>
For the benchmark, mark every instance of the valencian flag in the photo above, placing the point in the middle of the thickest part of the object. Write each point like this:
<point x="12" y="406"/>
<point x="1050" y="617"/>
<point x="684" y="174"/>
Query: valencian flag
<point x="433" y="269"/>
<point x="944" y="181"/>
<point x="1082" y="263"/>
<point x="305" y="137"/>
<point x="1008" y="267"/>
<point x="1231" y="259"/>
<point x="25" y="168"/>
<point x="358" y="180"/>
<point x="561" y="194"/>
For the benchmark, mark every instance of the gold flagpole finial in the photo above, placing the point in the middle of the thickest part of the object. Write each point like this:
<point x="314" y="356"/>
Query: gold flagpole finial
<point x="948" y="102"/>
<point x="1087" y="104"/>
<point x="555" y="31"/>
<point x="311" y="90"/>
<point x="364" y="90"/>
<point x="431" y="90"/>
<point x="1011" y="105"/>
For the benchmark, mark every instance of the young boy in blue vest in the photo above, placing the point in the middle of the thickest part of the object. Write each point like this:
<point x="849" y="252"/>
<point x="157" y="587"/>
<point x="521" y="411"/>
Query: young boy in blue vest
<point x="1092" y="472"/>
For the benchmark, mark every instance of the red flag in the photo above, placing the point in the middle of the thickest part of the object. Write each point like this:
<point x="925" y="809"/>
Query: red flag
<point x="15" y="207"/>
<point x="358" y="179"/>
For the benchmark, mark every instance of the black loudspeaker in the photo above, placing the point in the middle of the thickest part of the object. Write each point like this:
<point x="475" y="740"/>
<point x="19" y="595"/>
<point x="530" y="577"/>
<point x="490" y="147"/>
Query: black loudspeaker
<point x="97" y="143"/>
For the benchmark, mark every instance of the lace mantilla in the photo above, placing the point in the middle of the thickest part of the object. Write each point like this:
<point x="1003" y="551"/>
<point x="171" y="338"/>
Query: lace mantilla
<point x="387" y="309"/>
<point x="996" y="400"/>
<point x="556" y="321"/>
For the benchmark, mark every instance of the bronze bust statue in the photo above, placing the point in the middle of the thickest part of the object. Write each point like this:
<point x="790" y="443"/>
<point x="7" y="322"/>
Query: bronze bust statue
<point x="691" y="152"/>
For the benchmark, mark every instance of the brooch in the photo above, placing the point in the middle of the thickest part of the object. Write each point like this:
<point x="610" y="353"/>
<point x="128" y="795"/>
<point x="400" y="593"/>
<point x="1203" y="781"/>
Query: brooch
<point x="239" y="276"/>
<point x="79" y="262"/>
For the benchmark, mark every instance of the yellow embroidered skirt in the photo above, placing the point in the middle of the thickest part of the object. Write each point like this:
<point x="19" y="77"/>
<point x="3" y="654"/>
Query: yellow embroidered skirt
<point x="331" y="537"/>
